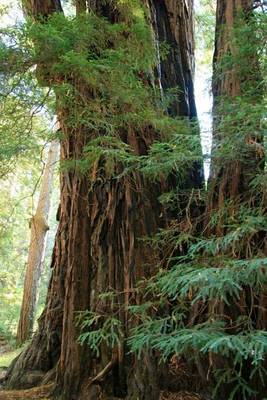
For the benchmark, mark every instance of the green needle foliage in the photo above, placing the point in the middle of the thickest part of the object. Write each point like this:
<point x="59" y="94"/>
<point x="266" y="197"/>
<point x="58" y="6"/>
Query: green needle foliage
<point x="99" y="330"/>
<point x="206" y="300"/>
<point x="115" y="63"/>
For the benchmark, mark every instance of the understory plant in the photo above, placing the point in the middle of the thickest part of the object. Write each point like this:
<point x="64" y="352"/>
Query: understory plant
<point x="207" y="302"/>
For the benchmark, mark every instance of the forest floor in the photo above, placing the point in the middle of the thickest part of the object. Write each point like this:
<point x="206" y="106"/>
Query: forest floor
<point x="43" y="392"/>
<point x="6" y="357"/>
<point x="38" y="393"/>
<point x="7" y="354"/>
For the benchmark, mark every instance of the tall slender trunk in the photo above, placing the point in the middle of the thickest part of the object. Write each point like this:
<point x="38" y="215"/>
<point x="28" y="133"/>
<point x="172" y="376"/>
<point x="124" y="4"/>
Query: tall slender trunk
<point x="39" y="228"/>
<point x="98" y="246"/>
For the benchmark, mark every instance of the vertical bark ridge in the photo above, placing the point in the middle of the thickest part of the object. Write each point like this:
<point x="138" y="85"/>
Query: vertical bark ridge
<point x="99" y="244"/>
<point x="231" y="179"/>
<point x="173" y="23"/>
<point x="229" y="185"/>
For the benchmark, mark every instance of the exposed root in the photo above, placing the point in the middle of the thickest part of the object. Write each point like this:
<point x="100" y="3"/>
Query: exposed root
<point x="44" y="393"/>
<point x="179" y="396"/>
<point x="100" y="376"/>
<point x="41" y="392"/>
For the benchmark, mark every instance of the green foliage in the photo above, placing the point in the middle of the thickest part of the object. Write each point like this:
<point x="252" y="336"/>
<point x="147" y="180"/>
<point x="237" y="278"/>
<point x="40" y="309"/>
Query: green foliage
<point x="115" y="63"/>
<point x="217" y="277"/>
<point x="233" y="377"/>
<point x="205" y="30"/>
<point x="7" y="357"/>
<point x="101" y="76"/>
<point x="19" y="194"/>
<point x="213" y="277"/>
<point x="224" y="281"/>
<point x="24" y="130"/>
<point x="22" y="125"/>
<point x="206" y="338"/>
<point x="98" y="330"/>
<point x="175" y="155"/>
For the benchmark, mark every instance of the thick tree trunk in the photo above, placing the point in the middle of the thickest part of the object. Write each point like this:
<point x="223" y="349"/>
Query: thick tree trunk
<point x="173" y="24"/>
<point x="39" y="228"/>
<point x="229" y="185"/>
<point x="80" y="6"/>
<point x="231" y="178"/>
<point x="98" y="247"/>
<point x="40" y="8"/>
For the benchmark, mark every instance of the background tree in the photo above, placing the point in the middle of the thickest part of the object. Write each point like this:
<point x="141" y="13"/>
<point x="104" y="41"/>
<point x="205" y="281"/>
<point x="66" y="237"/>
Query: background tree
<point x="39" y="227"/>
<point x="23" y="132"/>
<point x="231" y="81"/>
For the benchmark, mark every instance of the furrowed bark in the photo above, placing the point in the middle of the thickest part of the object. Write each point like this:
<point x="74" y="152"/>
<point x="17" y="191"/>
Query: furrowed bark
<point x="173" y="24"/>
<point x="229" y="179"/>
<point x="41" y="9"/>
<point x="80" y="6"/>
<point x="98" y="247"/>
<point x="229" y="184"/>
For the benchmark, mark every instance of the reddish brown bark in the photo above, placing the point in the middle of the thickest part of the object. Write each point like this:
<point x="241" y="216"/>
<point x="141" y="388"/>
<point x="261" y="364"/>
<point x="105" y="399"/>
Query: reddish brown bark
<point x="229" y="185"/>
<point x="40" y="8"/>
<point x="39" y="228"/>
<point x="98" y="246"/>
<point x="230" y="179"/>
<point x="172" y="21"/>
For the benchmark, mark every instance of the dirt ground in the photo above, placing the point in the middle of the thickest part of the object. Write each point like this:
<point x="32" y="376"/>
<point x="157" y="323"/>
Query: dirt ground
<point x="41" y="392"/>
<point x="44" y="392"/>
<point x="179" y="396"/>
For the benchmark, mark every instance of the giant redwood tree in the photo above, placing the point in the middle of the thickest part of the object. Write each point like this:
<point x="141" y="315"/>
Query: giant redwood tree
<point x="106" y="87"/>
<point x="236" y="205"/>
<point x="215" y="292"/>
<point x="236" y="77"/>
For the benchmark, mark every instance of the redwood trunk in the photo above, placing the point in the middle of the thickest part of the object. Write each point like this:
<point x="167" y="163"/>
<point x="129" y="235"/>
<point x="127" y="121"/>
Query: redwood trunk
<point x="98" y="247"/>
<point x="229" y="179"/>
<point x="229" y="186"/>
<point x="39" y="228"/>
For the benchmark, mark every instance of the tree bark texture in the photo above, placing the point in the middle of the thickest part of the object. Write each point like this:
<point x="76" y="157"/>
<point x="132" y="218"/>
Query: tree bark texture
<point x="229" y="185"/>
<point x="173" y="24"/>
<point x="226" y="15"/>
<point x="98" y="247"/>
<point x="39" y="228"/>
<point x="229" y="179"/>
